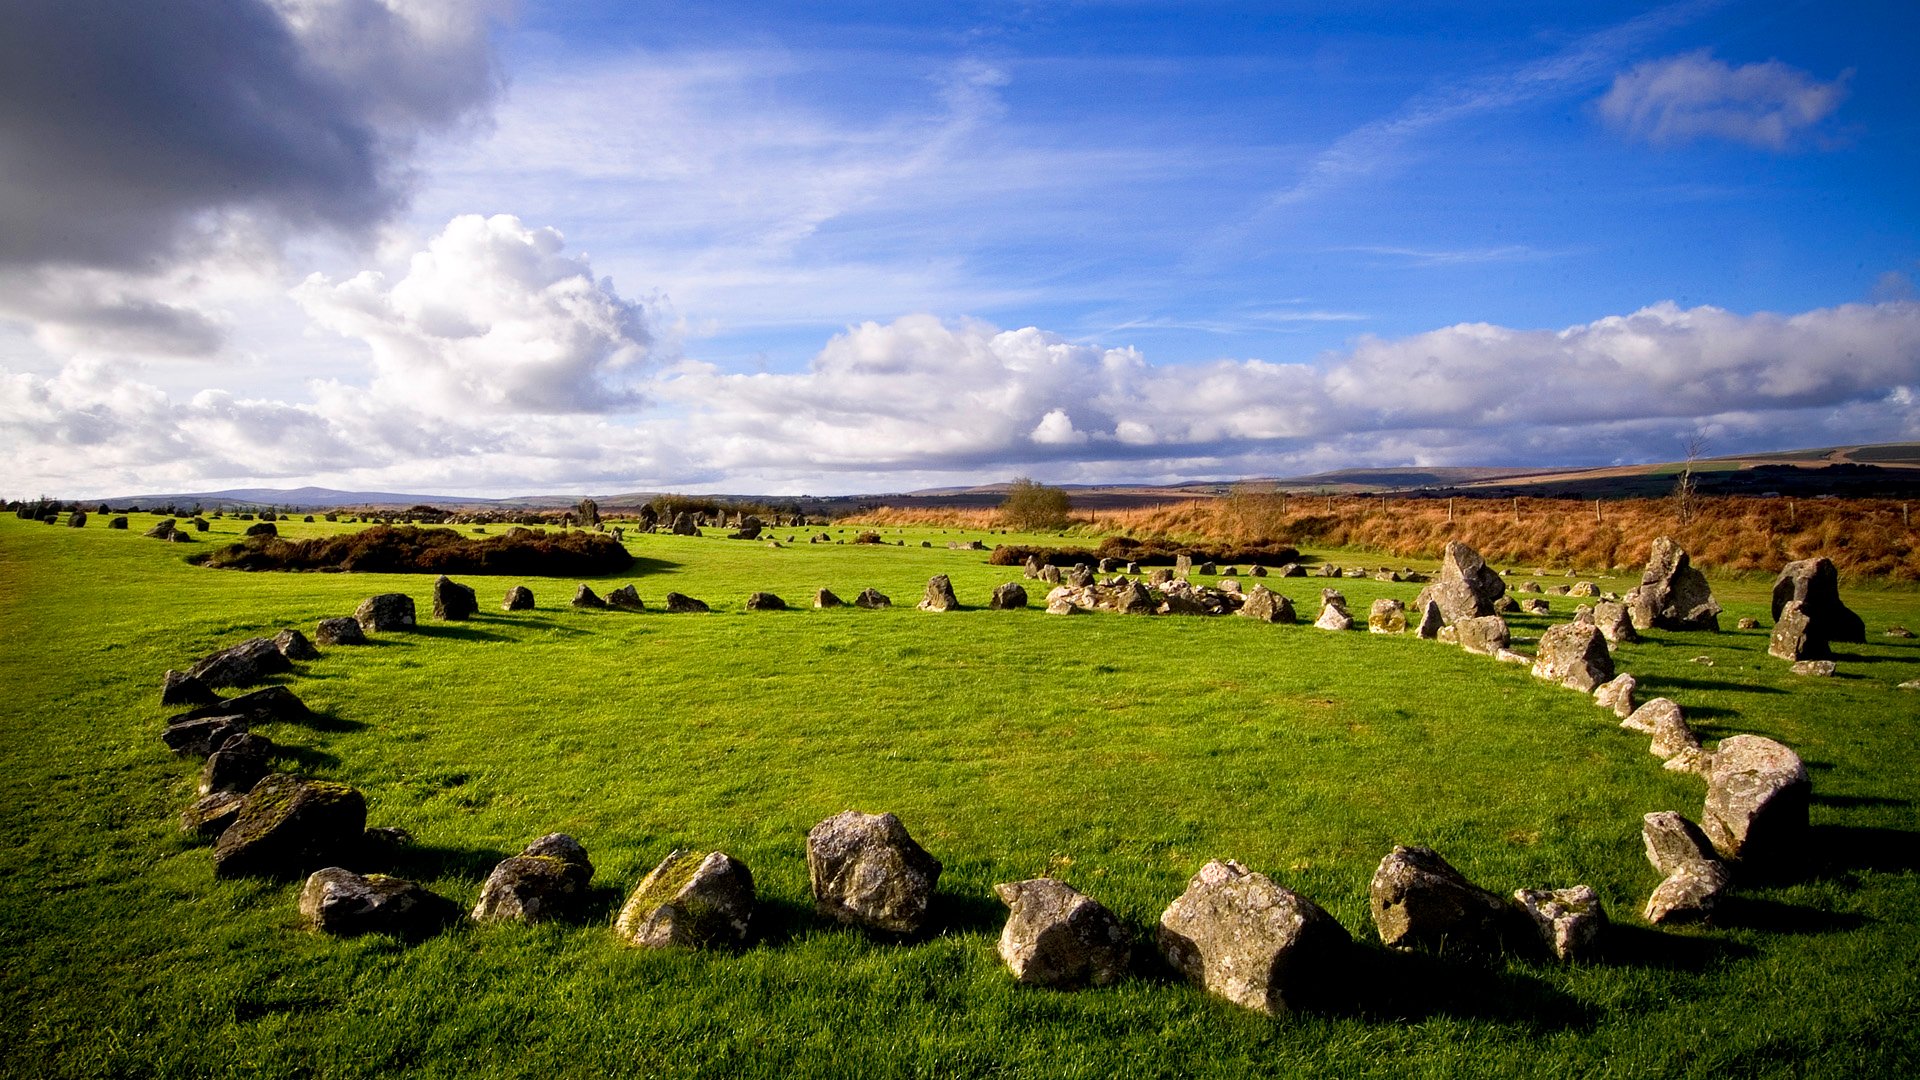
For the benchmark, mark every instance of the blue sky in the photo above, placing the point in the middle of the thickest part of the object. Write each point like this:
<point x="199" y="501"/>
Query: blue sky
<point x="866" y="247"/>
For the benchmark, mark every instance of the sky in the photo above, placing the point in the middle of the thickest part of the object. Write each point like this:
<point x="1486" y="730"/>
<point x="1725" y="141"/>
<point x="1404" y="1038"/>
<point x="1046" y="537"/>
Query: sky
<point x="593" y="247"/>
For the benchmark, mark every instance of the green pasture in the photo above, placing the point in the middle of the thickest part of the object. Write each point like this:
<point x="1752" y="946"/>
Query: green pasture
<point x="1117" y="753"/>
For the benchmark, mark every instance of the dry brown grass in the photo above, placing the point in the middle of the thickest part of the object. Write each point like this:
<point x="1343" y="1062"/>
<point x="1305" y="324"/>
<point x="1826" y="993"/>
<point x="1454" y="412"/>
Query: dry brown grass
<point x="1863" y="537"/>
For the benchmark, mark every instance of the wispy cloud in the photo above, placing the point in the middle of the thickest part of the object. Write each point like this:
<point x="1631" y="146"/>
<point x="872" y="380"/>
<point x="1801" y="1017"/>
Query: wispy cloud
<point x="1695" y="96"/>
<point x="1452" y="257"/>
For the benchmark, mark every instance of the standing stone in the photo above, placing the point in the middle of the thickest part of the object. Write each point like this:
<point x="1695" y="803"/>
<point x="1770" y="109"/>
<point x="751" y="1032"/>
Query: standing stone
<point x="117" y="522"/>
<point x="453" y="601"/>
<point x="342" y="903"/>
<point x="1241" y="936"/>
<point x="1816" y="585"/>
<point x="872" y="598"/>
<point x="626" y="598"/>
<point x="683" y="525"/>
<point x="1467" y="587"/>
<point x="1081" y="576"/>
<point x="1484" y="634"/>
<point x="294" y="645"/>
<point x="681" y="604"/>
<point x="825" y="599"/>
<point x="1333" y="617"/>
<point x="1614" y="623"/>
<point x="1182" y="566"/>
<point x="1387" y="616"/>
<point x="939" y="595"/>
<point x="547" y="880"/>
<point x="1267" y="606"/>
<point x="1695" y="877"/>
<point x="1032" y="567"/>
<point x="1575" y="656"/>
<point x="342" y="631"/>
<point x="77" y="520"/>
<point x="1570" y="921"/>
<point x="237" y="765"/>
<point x="1671" y="735"/>
<point x="1008" y="596"/>
<point x="180" y="688"/>
<point x="1793" y="635"/>
<point x="1058" y="937"/>
<point x="1617" y="694"/>
<point x="518" y="598"/>
<point x="163" y="529"/>
<point x="1672" y="595"/>
<point x="1419" y="901"/>
<point x="289" y="825"/>
<point x="1757" y="796"/>
<point x="584" y="597"/>
<point x="252" y="661"/>
<point x="690" y="901"/>
<point x="765" y="601"/>
<point x="388" y="611"/>
<point x="1430" y="620"/>
<point x="866" y="871"/>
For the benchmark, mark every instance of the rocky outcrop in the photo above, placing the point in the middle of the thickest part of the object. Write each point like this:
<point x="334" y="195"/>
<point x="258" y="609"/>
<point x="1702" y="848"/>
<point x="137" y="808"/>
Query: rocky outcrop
<point x="1467" y="587"/>
<point x="1058" y="937"/>
<point x="1241" y="936"/>
<point x="1419" y="901"/>
<point x="547" y="880"/>
<point x="1672" y="595"/>
<point x="1575" y="656"/>
<point x="1757" y="799"/>
<point x="690" y="901"/>
<point x="867" y="871"/>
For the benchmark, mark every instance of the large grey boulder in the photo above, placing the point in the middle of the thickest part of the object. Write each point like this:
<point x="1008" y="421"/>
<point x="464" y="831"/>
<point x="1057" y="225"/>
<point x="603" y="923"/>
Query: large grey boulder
<point x="1653" y="715"/>
<point x="1794" y="636"/>
<point x="1484" y="634"/>
<point x="1056" y="936"/>
<point x="289" y="825"/>
<point x="341" y="631"/>
<point x="939" y="595"/>
<point x="867" y="871"/>
<point x="1419" y="901"/>
<point x="1266" y="605"/>
<point x="1672" y="595"/>
<point x="547" y="880"/>
<point x="1008" y="596"/>
<point x="1387" y="616"/>
<point x="388" y="611"/>
<point x="1757" y="798"/>
<point x="340" y="902"/>
<point x="1570" y="921"/>
<point x="252" y="661"/>
<point x="1573" y="655"/>
<point x="683" y="525"/>
<point x="1333" y="617"/>
<point x="690" y="901"/>
<point x="1245" y="938"/>
<point x="453" y="601"/>
<point x="1815" y="584"/>
<point x="1614" y="622"/>
<point x="1695" y="878"/>
<point x="238" y="764"/>
<point x="1467" y="587"/>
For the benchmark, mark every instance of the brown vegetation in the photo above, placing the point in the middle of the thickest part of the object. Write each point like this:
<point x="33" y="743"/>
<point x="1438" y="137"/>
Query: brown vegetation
<point x="1863" y="537"/>
<point x="387" y="549"/>
<point x="1153" y="551"/>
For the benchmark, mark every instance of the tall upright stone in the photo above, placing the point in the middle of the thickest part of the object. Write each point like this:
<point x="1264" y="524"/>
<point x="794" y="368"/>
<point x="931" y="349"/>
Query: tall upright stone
<point x="1672" y="595"/>
<point x="1256" y="943"/>
<point x="1815" y="584"/>
<point x="1467" y="587"/>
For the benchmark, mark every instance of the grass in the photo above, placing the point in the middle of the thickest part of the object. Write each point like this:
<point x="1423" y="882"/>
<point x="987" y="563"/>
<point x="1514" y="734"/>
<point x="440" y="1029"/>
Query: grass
<point x="1116" y="753"/>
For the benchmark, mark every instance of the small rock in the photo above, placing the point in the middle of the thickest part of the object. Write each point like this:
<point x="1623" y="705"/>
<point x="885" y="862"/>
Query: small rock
<point x="1617" y="694"/>
<point x="626" y="598"/>
<point x="1334" y="617"/>
<point x="252" y="661"/>
<point x="1251" y="941"/>
<point x="1649" y="718"/>
<point x="201" y="736"/>
<point x="1267" y="606"/>
<point x="294" y="645"/>
<point x="1898" y="632"/>
<point x="1614" y="623"/>
<point x="584" y="597"/>
<point x="239" y="763"/>
<point x="1570" y="921"/>
<point x="825" y="598"/>
<point x="1058" y="937"/>
<point x="1813" y="667"/>
<point x="1387" y="616"/>
<point x="690" y="901"/>
<point x="388" y="611"/>
<point x="765" y="601"/>
<point x="1431" y="620"/>
<point x="866" y="870"/>
<point x="1747" y="622"/>
<point x="343" y="903"/>
<point x="681" y="604"/>
<point x="1008" y="596"/>
<point x="1420" y="901"/>
<point x="871" y="598"/>
<point x="209" y="815"/>
<point x="518" y="598"/>
<point x="1536" y="606"/>
<point x="1484" y="634"/>
<point x="547" y="880"/>
<point x="939" y="595"/>
<point x="342" y="631"/>
<point x="180" y="688"/>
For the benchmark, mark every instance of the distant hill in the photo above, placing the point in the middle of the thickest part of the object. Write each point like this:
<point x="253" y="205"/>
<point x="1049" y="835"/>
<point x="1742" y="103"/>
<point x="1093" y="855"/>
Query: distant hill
<point x="1889" y="470"/>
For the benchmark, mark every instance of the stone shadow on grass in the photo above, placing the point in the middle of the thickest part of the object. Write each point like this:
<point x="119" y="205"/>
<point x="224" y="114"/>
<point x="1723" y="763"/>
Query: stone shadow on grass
<point x="457" y="631"/>
<point x="1625" y="945"/>
<point x="306" y="759"/>
<point x="317" y="720"/>
<point x="1834" y="850"/>
<point x="1381" y="984"/>
<point x="1773" y="916"/>
<point x="1659" y="685"/>
<point x="427" y="862"/>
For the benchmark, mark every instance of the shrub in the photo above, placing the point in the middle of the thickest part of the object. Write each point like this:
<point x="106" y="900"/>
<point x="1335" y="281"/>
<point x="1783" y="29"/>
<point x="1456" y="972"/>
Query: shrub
<point x="1033" y="507"/>
<point x="386" y="549"/>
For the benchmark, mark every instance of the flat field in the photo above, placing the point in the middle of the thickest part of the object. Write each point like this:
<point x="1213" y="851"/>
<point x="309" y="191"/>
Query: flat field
<point x="1117" y="753"/>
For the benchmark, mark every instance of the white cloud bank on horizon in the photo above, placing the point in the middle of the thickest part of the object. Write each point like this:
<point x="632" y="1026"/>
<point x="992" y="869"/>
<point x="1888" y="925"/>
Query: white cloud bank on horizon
<point x="500" y="364"/>
<point x="1692" y="96"/>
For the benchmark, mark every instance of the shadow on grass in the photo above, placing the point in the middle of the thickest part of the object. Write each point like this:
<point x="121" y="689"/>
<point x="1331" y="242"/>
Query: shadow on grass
<point x="425" y="862"/>
<point x="1753" y="913"/>
<point x="1387" y="985"/>
<point x="1657" y="685"/>
<point x="1642" y="947"/>
<point x="306" y="759"/>
<point x="1859" y="800"/>
<point x="316" y="720"/>
<point x="458" y="632"/>
<point x="1835" y="849"/>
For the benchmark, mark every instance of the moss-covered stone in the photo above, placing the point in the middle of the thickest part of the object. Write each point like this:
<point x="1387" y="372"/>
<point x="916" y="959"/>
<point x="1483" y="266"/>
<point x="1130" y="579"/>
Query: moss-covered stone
<point x="291" y="826"/>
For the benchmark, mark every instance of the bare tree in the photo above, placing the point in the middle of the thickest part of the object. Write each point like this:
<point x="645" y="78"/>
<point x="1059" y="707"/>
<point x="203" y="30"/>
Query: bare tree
<point x="1686" y="490"/>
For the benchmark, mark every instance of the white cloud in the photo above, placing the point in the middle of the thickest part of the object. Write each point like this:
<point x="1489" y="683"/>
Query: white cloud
<point x="491" y="316"/>
<point x="1695" y="96"/>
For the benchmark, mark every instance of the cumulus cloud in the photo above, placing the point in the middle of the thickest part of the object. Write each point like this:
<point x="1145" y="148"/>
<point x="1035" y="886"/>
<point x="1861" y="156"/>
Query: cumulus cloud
<point x="1694" y="96"/>
<point x="920" y="401"/>
<point x="493" y="315"/>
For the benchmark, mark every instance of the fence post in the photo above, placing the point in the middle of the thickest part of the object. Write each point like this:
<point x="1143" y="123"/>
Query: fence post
<point x="1596" y="512"/>
<point x="1449" y="509"/>
<point x="1516" y="509"/>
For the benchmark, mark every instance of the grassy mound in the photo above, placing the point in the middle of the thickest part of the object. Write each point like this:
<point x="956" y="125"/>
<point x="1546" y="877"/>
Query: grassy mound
<point x="406" y="549"/>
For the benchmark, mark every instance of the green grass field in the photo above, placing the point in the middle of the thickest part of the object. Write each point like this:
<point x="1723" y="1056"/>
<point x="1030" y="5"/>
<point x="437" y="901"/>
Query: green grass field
<point x="1118" y="753"/>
